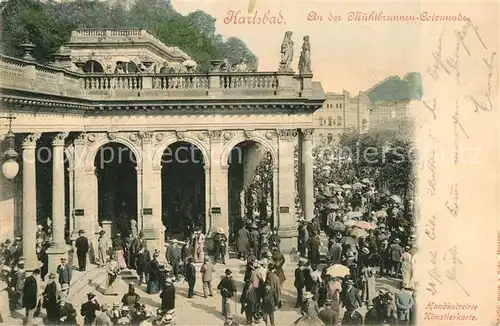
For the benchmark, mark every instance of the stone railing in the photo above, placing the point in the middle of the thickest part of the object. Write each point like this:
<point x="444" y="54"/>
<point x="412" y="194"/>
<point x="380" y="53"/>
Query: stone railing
<point x="24" y="75"/>
<point x="124" y="35"/>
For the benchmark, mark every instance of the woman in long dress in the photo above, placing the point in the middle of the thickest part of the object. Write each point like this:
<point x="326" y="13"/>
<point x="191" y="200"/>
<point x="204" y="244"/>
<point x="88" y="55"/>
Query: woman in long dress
<point x="153" y="285"/>
<point x="199" y="247"/>
<point x="113" y="271"/>
<point x="406" y="267"/>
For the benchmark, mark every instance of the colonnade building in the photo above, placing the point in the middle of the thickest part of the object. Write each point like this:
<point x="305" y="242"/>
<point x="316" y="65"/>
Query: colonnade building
<point x="154" y="147"/>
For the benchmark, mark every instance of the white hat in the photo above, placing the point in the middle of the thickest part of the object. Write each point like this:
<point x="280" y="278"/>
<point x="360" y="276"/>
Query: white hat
<point x="307" y="295"/>
<point x="220" y="230"/>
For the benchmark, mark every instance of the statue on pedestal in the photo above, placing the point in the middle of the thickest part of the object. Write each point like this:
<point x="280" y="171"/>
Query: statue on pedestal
<point x="286" y="53"/>
<point x="305" y="57"/>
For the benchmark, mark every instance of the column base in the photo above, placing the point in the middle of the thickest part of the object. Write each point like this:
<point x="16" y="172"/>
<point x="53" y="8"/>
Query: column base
<point x="55" y="253"/>
<point x="288" y="236"/>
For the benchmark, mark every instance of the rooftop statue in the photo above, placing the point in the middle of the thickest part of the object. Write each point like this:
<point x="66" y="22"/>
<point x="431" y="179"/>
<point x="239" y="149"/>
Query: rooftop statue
<point x="305" y="57"/>
<point x="286" y="53"/>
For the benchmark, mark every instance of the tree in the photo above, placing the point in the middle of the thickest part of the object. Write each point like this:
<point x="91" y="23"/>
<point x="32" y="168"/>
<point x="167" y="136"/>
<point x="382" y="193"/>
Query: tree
<point x="49" y="25"/>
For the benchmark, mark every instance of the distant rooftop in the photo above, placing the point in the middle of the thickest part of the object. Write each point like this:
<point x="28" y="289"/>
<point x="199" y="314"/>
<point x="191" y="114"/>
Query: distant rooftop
<point x="117" y="36"/>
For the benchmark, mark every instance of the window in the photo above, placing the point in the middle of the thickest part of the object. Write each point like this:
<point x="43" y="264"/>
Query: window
<point x="340" y="105"/>
<point x="330" y="121"/>
<point x="92" y="66"/>
<point x="364" y="122"/>
<point x="329" y="138"/>
<point x="336" y="105"/>
<point x="339" y="121"/>
<point x="320" y="121"/>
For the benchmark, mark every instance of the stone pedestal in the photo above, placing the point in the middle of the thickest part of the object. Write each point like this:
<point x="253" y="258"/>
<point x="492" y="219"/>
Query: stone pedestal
<point x="288" y="236"/>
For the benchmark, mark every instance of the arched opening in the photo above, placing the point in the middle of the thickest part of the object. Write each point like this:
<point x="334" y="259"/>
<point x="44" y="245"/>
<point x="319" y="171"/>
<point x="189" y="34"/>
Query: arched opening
<point x="329" y="139"/>
<point x="92" y="67"/>
<point x="183" y="189"/>
<point x="44" y="180"/>
<point x="116" y="175"/>
<point x="126" y="67"/>
<point x="250" y="185"/>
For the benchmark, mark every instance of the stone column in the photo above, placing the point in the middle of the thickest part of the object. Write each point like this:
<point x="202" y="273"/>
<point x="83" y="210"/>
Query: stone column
<point x="207" y="199"/>
<point x="58" y="248"/>
<point x="287" y="228"/>
<point x="307" y="174"/>
<point x="29" y="201"/>
<point x="80" y="186"/>
<point x="276" y="194"/>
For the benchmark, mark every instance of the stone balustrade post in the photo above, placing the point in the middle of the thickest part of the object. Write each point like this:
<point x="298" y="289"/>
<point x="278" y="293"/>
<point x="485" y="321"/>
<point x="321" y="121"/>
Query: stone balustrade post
<point x="286" y="86"/>
<point x="306" y="87"/>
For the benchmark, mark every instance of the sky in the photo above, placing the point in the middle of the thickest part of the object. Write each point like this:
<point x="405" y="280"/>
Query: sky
<point x="346" y="55"/>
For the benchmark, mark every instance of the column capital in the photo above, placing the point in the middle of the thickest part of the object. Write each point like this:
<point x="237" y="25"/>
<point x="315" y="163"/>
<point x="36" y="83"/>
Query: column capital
<point x="29" y="141"/>
<point x="307" y="134"/>
<point x="215" y="135"/>
<point x="59" y="139"/>
<point x="146" y="136"/>
<point x="224" y="168"/>
<point x="138" y="169"/>
<point x="287" y="134"/>
<point x="81" y="139"/>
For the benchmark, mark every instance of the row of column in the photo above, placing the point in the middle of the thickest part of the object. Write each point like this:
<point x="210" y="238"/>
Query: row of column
<point x="150" y="196"/>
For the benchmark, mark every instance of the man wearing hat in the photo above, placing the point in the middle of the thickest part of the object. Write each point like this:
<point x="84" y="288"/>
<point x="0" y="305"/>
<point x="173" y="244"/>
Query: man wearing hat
<point x="255" y="240"/>
<point x="302" y="238"/>
<point x="40" y="234"/>
<point x="64" y="272"/>
<point x="89" y="308"/>
<point x="300" y="281"/>
<point x="18" y="277"/>
<point x="335" y="251"/>
<point x="396" y="251"/>
<point x="274" y="239"/>
<point x="32" y="294"/>
<point x="328" y="315"/>
<point x="206" y="271"/>
<point x="270" y="302"/>
<point x="104" y="245"/>
<point x="130" y="299"/>
<point x="50" y="299"/>
<point x="103" y="316"/>
<point x="242" y="242"/>
<point x="82" y="248"/>
<point x="66" y="311"/>
<point x="220" y="245"/>
<point x="227" y="289"/>
<point x="404" y="304"/>
<point x="352" y="299"/>
<point x="190" y="274"/>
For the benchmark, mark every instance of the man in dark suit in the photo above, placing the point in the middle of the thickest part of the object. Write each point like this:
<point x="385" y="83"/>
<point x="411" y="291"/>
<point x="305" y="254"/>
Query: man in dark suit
<point x="300" y="281"/>
<point x="269" y="304"/>
<point x="167" y="296"/>
<point x="190" y="276"/>
<point x="65" y="273"/>
<point x="89" y="308"/>
<point x="141" y="263"/>
<point x="31" y="295"/>
<point x="50" y="297"/>
<point x="328" y="315"/>
<point x="207" y="270"/>
<point x="82" y="248"/>
<point x="352" y="299"/>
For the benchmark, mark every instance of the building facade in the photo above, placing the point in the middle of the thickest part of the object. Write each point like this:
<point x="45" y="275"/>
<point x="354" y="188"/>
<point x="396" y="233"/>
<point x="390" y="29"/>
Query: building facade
<point x="385" y="113"/>
<point x="72" y="115"/>
<point x="341" y="113"/>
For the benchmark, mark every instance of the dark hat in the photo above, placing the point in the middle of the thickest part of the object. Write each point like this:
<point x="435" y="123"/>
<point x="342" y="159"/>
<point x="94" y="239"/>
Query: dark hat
<point x="7" y="241"/>
<point x="271" y="266"/>
<point x="81" y="231"/>
<point x="228" y="271"/>
<point x="52" y="276"/>
<point x="90" y="295"/>
<point x="351" y="282"/>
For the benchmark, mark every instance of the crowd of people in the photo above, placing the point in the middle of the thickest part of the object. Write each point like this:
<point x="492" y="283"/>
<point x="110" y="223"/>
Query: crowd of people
<point x="370" y="235"/>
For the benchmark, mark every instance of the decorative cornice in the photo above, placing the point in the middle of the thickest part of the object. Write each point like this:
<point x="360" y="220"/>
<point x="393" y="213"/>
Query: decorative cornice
<point x="29" y="142"/>
<point x="287" y="134"/>
<point x="59" y="139"/>
<point x="307" y="134"/>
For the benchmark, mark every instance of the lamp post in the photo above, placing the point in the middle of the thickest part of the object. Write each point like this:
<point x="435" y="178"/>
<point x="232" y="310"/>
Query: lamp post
<point x="10" y="167"/>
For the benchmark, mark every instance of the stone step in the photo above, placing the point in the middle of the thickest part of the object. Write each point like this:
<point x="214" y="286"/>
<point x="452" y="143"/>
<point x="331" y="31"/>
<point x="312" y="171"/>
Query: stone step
<point x="129" y="274"/>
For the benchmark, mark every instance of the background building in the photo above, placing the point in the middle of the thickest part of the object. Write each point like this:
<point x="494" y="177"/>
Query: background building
<point x="341" y="113"/>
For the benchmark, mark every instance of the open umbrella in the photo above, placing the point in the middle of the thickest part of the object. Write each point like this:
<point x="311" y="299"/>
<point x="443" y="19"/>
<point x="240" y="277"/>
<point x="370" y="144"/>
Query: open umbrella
<point x="333" y="206"/>
<point x="338" y="270"/>
<point x="348" y="240"/>
<point x="366" y="180"/>
<point x="351" y="223"/>
<point x="359" y="233"/>
<point x="327" y="168"/>
<point x="346" y="186"/>
<point x="338" y="226"/>
<point x="365" y="225"/>
<point x="381" y="214"/>
<point x="358" y="185"/>
<point x="356" y="214"/>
